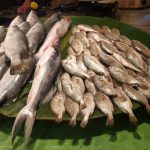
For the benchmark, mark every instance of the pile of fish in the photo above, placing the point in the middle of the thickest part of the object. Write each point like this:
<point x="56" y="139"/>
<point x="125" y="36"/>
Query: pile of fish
<point x="103" y="69"/>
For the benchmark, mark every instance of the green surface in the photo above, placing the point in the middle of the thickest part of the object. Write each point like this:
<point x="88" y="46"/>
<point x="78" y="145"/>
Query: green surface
<point x="48" y="135"/>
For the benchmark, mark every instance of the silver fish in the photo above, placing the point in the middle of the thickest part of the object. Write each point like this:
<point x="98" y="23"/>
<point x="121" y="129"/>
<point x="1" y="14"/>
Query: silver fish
<point x="17" y="21"/>
<point x="141" y="48"/>
<point x="58" y="106"/>
<point x="122" y="76"/>
<point x="24" y="26"/>
<point x="35" y="36"/>
<point x="90" y="86"/>
<point x="82" y="38"/>
<point x="2" y="33"/>
<point x="123" y="102"/>
<point x="104" y="103"/>
<point x="71" y="66"/>
<point x="86" y="28"/>
<point x="16" y="50"/>
<point x="104" y="85"/>
<point x="73" y="110"/>
<point x="32" y="18"/>
<point x="51" y="21"/>
<point x="88" y="110"/>
<point x="136" y="96"/>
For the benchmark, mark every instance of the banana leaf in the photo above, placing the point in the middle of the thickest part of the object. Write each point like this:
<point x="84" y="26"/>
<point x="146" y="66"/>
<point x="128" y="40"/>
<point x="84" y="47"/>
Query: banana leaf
<point x="44" y="112"/>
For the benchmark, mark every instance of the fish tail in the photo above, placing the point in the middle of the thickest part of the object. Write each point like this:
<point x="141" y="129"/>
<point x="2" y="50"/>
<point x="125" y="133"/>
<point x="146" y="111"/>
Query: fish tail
<point x="148" y="108"/>
<point x="26" y="115"/>
<point x="72" y="121"/>
<point x="20" y="66"/>
<point x="84" y="122"/>
<point x="110" y="121"/>
<point x="59" y="118"/>
<point x="133" y="118"/>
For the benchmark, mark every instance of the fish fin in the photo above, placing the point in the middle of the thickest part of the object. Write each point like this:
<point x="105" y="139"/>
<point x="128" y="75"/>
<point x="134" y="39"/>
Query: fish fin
<point x="133" y="118"/>
<point x="26" y="115"/>
<point x="148" y="108"/>
<point x="28" y="126"/>
<point x="110" y="121"/>
<point x="72" y="122"/>
<point x="20" y="66"/>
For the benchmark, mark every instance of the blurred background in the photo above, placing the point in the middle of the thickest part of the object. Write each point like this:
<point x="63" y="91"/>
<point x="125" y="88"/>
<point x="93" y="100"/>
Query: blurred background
<point x="134" y="12"/>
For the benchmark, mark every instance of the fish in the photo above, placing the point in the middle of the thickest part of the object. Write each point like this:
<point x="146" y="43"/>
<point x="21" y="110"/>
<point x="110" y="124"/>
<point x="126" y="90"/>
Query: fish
<point x="35" y="36"/>
<point x="105" y="28"/>
<point x="89" y="108"/>
<point x="81" y="64"/>
<point x="51" y="21"/>
<point x="32" y="18"/>
<point x="124" y="39"/>
<point x="123" y="102"/>
<point x="123" y="77"/>
<point x="3" y="66"/>
<point x="125" y="62"/>
<point x="81" y="36"/>
<point x="111" y="36"/>
<point x="109" y="60"/>
<point x="121" y="46"/>
<point x="24" y="26"/>
<point x="141" y="48"/>
<point x="108" y="48"/>
<point x="11" y="86"/>
<point x="2" y="33"/>
<point x="16" y="21"/>
<point x="97" y="28"/>
<point x="57" y="106"/>
<point x="90" y="86"/>
<point x="105" y="105"/>
<point x="70" y="65"/>
<point x="59" y="29"/>
<point x="46" y="69"/>
<point x="115" y="31"/>
<point x="16" y="50"/>
<point x="71" y="51"/>
<point x="77" y="46"/>
<point x="86" y="28"/>
<point x="107" y="87"/>
<point x="74" y="30"/>
<point x="71" y="38"/>
<point x="136" y="96"/>
<point x="72" y="108"/>
<point x="93" y="64"/>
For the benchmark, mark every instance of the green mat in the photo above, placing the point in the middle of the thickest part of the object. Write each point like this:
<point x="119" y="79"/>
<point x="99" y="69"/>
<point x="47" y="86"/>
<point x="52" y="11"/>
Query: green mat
<point x="48" y="135"/>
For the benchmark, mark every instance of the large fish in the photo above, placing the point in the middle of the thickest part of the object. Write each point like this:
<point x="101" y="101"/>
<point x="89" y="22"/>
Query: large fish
<point x="46" y="69"/>
<point x="16" y="50"/>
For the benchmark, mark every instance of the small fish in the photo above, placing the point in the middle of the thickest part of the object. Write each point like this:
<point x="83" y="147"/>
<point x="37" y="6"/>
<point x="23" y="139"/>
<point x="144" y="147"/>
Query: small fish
<point x="111" y="36"/>
<point x="77" y="46"/>
<point x="24" y="27"/>
<point x="73" y="110"/>
<point x="82" y="38"/>
<point x="70" y="51"/>
<point x="51" y="21"/>
<point x="71" y="38"/>
<point x="88" y="110"/>
<point x="16" y="50"/>
<point x="104" y="103"/>
<point x="125" y="62"/>
<point x="72" y="67"/>
<point x="141" y="48"/>
<point x="2" y="33"/>
<point x="3" y="66"/>
<point x="90" y="86"/>
<point x="122" y="76"/>
<point x="17" y="21"/>
<point x="136" y="96"/>
<point x="81" y="64"/>
<point x="123" y="102"/>
<point x="124" y="39"/>
<point x="35" y="36"/>
<point x="32" y="18"/>
<point x="93" y="64"/>
<point x="105" y="28"/>
<point x="86" y="28"/>
<point x="58" y="106"/>
<point x="104" y="85"/>
<point x="97" y="28"/>
<point x="75" y="29"/>
<point x="115" y="31"/>
<point x="108" y="48"/>
<point x="121" y="46"/>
